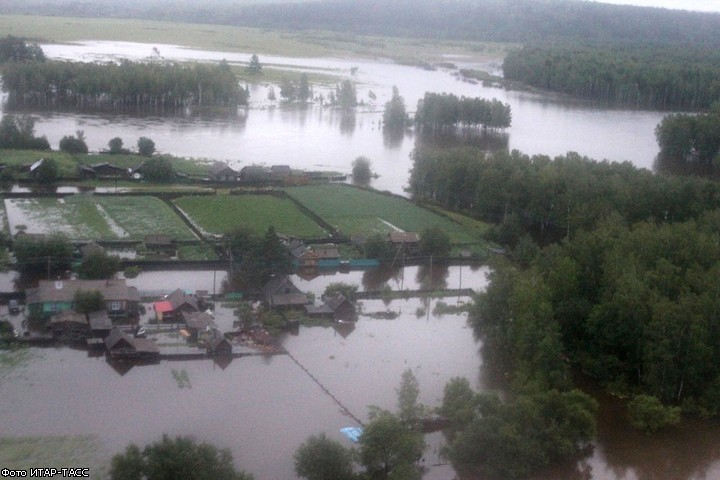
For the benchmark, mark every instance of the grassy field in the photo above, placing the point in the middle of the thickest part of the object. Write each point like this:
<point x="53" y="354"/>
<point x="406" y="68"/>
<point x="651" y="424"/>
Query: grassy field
<point x="356" y="211"/>
<point x="94" y="217"/>
<point x="258" y="212"/>
<point x="246" y="40"/>
<point x="67" y="164"/>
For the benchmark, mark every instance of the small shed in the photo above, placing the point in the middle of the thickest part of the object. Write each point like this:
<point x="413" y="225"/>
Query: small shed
<point x="160" y="243"/>
<point x="281" y="293"/>
<point x="108" y="170"/>
<point x="69" y="325"/>
<point x="122" y="346"/>
<point x="100" y="323"/>
<point x="407" y="241"/>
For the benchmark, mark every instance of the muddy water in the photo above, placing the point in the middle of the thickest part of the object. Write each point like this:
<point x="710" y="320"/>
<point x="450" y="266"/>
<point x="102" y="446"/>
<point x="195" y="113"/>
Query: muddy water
<point x="252" y="405"/>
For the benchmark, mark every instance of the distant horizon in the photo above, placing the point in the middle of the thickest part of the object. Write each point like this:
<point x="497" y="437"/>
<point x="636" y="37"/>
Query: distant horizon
<point x="693" y="5"/>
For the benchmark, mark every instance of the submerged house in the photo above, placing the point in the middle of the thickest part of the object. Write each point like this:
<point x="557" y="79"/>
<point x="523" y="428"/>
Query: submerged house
<point x="303" y="256"/>
<point x="171" y="307"/>
<point x="337" y="307"/>
<point x="52" y="297"/>
<point x="198" y="324"/>
<point x="281" y="293"/>
<point x="120" y="345"/>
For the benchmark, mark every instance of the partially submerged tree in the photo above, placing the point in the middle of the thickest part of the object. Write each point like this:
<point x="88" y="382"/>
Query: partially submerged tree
<point x="395" y="116"/>
<point x="171" y="459"/>
<point x="320" y="458"/>
<point x="361" y="170"/>
<point x="386" y="444"/>
<point x="99" y="265"/>
<point x="346" y="289"/>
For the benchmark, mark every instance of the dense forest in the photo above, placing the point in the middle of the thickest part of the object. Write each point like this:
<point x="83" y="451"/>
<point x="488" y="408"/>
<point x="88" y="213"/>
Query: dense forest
<point x="121" y="85"/>
<point x="518" y="21"/>
<point x="630" y="76"/>
<point x="624" y="291"/>
<point x="690" y="143"/>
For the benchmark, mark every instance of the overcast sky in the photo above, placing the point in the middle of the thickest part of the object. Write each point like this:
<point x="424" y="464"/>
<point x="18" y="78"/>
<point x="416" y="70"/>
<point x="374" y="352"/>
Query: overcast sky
<point x="699" y="5"/>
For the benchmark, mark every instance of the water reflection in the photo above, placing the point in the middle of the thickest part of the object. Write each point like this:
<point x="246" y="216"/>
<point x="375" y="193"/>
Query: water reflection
<point x="484" y="139"/>
<point x="393" y="137"/>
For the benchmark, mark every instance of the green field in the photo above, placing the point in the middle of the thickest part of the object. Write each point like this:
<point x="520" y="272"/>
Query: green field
<point x="67" y="164"/>
<point x="97" y="218"/>
<point x="222" y="213"/>
<point x="356" y="211"/>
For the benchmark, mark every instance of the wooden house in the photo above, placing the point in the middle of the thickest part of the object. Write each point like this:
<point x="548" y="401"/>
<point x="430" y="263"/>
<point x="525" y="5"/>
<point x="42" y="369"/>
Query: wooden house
<point x="219" y="345"/>
<point x="327" y="251"/>
<point x="69" y="325"/>
<point x="280" y="171"/>
<point x="108" y="170"/>
<point x="409" y="242"/>
<point x="221" y="172"/>
<point x="303" y="256"/>
<point x="171" y="307"/>
<point x="281" y="293"/>
<point x="51" y="297"/>
<point x="336" y="307"/>
<point x="197" y="324"/>
<point x="120" y="345"/>
<point x="100" y="324"/>
<point x="254" y="174"/>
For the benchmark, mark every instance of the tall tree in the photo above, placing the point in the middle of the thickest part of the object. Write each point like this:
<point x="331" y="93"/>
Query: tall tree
<point x="320" y="458"/>
<point x="395" y="116"/>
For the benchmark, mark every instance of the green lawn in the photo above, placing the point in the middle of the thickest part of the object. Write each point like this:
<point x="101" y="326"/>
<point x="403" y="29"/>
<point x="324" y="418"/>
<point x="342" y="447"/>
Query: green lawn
<point x="222" y="213"/>
<point x="95" y="217"/>
<point x="356" y="211"/>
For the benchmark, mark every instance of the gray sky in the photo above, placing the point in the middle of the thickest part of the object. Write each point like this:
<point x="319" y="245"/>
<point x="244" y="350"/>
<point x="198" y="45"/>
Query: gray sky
<point x="699" y="5"/>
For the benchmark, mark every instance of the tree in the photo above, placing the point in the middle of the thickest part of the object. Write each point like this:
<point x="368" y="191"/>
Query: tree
<point x="395" y="115"/>
<point x="271" y="93"/>
<point x="377" y="247"/>
<point x="386" y="444"/>
<point x="347" y="290"/>
<point x="145" y="146"/>
<point x="19" y="133"/>
<point x="346" y="94"/>
<point x="409" y="409"/>
<point x="320" y="458"/>
<point x="256" y="259"/>
<point x="649" y="414"/>
<point x="47" y="172"/>
<point x="459" y="402"/>
<point x="74" y="145"/>
<point x="158" y="169"/>
<point x="254" y="67"/>
<point x="116" y="146"/>
<point x="53" y="252"/>
<point x="304" y="92"/>
<point x="99" y="265"/>
<point x="288" y="91"/>
<point x="434" y="242"/>
<point x="171" y="459"/>
<point x="87" y="301"/>
<point x="361" y="170"/>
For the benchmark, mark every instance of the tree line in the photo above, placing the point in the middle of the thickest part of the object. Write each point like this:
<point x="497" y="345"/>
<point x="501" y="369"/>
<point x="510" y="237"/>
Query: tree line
<point x="631" y="76"/>
<point x="125" y="84"/>
<point x="553" y="197"/>
<point x="442" y="110"/>
<point x="517" y="21"/>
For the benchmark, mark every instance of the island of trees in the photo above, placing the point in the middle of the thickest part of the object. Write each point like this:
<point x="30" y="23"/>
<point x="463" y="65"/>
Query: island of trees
<point x="31" y="80"/>
<point x="442" y="110"/>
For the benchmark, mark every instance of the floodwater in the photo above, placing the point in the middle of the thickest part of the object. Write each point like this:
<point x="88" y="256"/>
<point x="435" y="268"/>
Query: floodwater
<point x="252" y="404"/>
<point x="315" y="137"/>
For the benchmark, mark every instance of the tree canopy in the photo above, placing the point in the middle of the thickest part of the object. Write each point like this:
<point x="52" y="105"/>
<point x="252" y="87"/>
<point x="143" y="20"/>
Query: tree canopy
<point x="446" y="110"/>
<point x="171" y="459"/>
<point x="320" y="458"/>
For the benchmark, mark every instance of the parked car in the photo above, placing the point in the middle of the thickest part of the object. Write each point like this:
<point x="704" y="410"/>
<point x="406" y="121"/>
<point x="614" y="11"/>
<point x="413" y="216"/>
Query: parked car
<point x="14" y="306"/>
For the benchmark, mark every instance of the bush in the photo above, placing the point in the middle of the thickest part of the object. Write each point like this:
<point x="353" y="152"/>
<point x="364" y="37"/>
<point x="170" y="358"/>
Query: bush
<point x="74" y="145"/>
<point x="158" y="169"/>
<point x="361" y="170"/>
<point x="131" y="272"/>
<point x="434" y="241"/>
<point x="647" y="413"/>
<point x="146" y="147"/>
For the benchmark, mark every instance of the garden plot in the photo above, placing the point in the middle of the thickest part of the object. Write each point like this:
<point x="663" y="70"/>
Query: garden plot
<point x="83" y="217"/>
<point x="355" y="211"/>
<point x="222" y="213"/>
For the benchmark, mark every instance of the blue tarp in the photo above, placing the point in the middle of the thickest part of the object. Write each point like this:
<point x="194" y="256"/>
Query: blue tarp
<point x="353" y="433"/>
